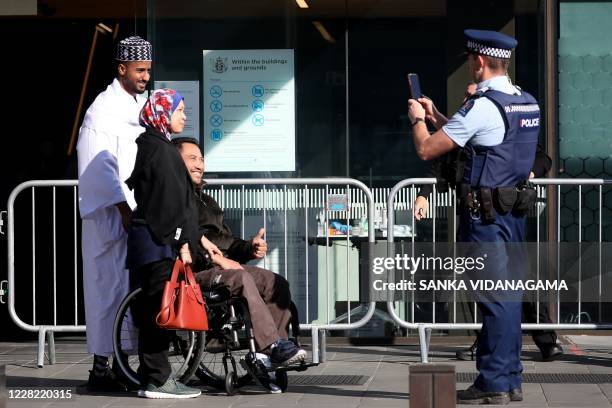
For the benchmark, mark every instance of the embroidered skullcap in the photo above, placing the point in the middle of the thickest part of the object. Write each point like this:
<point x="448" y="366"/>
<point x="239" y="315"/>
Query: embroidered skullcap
<point x="133" y="49"/>
<point x="490" y="43"/>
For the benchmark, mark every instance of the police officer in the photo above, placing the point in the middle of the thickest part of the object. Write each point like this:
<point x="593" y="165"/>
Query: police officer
<point x="498" y="129"/>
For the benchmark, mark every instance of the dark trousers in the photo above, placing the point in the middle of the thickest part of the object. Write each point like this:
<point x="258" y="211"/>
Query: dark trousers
<point x="266" y="293"/>
<point x="543" y="339"/>
<point x="498" y="353"/>
<point x="153" y="342"/>
<point x="498" y="356"/>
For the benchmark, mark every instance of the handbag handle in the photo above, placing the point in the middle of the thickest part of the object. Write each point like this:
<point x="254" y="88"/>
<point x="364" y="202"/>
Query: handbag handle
<point x="192" y="282"/>
<point x="180" y="267"/>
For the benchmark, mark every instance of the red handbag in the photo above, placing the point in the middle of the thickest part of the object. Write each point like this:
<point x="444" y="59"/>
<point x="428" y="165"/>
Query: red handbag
<point x="182" y="307"/>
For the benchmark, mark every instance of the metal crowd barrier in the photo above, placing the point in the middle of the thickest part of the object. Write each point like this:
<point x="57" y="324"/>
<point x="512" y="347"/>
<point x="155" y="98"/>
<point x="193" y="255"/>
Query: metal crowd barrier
<point x="274" y="195"/>
<point x="46" y="330"/>
<point x="425" y="328"/>
<point x="282" y="197"/>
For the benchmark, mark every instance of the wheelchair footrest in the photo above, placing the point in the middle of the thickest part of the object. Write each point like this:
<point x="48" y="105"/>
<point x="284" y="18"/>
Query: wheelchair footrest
<point x="259" y="374"/>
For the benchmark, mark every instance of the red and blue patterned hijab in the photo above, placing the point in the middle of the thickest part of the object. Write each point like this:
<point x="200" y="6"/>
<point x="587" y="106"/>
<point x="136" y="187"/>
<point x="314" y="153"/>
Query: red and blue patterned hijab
<point x="158" y="109"/>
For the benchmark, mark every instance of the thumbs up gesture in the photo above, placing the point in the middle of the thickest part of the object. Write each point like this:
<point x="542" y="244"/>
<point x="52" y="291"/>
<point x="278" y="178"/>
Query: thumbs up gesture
<point x="259" y="244"/>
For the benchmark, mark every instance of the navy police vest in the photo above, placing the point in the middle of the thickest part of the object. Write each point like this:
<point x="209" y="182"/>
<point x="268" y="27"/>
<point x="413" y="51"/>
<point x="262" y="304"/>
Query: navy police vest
<point x="512" y="160"/>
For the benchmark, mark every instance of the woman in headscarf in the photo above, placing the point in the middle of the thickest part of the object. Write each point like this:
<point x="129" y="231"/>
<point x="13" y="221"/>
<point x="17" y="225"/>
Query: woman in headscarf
<point x="162" y="228"/>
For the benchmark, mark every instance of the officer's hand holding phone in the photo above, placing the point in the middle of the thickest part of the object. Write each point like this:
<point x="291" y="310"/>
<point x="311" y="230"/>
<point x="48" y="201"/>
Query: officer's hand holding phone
<point x="414" y="88"/>
<point x="415" y="111"/>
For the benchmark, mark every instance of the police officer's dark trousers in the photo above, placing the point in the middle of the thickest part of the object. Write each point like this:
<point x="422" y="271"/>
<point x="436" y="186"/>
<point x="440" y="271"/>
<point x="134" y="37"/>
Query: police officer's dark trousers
<point x="499" y="344"/>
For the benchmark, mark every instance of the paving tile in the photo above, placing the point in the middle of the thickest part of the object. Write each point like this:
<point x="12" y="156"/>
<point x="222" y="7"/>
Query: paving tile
<point x="139" y="403"/>
<point x="205" y="401"/>
<point x="256" y="402"/>
<point x="598" y="369"/>
<point x="607" y="390"/>
<point x="383" y="403"/>
<point x="27" y="403"/>
<point x="391" y="394"/>
<point x="330" y="397"/>
<point x="575" y="395"/>
<point x="533" y="396"/>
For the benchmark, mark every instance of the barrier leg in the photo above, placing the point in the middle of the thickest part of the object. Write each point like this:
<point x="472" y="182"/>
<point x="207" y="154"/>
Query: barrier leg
<point x="51" y="346"/>
<point x="323" y="346"/>
<point x="41" y="347"/>
<point x="315" y="345"/>
<point x="423" y="343"/>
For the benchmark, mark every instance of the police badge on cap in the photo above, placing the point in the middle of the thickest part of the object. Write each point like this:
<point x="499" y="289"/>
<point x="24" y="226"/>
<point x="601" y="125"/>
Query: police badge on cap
<point x="133" y="49"/>
<point x="490" y="43"/>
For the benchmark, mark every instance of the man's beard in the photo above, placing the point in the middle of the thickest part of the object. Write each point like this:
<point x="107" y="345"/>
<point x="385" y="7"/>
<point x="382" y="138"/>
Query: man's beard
<point x="133" y="88"/>
<point x="139" y="92"/>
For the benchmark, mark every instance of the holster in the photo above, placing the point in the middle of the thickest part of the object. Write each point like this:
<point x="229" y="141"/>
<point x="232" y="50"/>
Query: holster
<point x="525" y="198"/>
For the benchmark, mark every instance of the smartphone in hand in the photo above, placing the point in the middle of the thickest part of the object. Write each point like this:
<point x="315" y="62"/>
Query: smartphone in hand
<point x="414" y="86"/>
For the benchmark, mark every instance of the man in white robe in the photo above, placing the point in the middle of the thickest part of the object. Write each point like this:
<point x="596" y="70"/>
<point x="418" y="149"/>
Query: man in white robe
<point x="106" y="152"/>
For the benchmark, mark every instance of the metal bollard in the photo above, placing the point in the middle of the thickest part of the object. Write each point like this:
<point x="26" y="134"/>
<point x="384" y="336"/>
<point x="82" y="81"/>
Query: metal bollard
<point x="433" y="386"/>
<point x="322" y="346"/>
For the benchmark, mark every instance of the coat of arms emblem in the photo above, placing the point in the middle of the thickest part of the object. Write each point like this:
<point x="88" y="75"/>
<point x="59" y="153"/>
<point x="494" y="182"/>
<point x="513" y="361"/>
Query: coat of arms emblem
<point x="219" y="65"/>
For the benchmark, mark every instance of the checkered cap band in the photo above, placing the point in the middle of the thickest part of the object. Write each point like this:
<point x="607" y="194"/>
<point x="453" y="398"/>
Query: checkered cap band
<point x="482" y="49"/>
<point x="133" y="49"/>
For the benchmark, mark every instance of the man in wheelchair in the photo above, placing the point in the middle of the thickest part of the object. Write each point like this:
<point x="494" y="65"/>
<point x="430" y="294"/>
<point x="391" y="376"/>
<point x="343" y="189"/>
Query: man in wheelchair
<point x="221" y="261"/>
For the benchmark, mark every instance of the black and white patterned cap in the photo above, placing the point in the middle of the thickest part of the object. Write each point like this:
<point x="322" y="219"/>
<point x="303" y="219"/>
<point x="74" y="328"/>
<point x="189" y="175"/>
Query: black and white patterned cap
<point x="490" y="43"/>
<point x="133" y="49"/>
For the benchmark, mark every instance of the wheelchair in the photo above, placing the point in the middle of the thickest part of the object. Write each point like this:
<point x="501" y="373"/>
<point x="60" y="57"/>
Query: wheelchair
<point x="224" y="357"/>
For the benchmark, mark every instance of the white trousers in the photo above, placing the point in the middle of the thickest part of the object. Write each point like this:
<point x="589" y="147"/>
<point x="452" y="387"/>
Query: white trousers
<point x="105" y="285"/>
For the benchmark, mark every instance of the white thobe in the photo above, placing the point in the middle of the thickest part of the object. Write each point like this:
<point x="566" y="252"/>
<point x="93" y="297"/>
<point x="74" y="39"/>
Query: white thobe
<point x="106" y="154"/>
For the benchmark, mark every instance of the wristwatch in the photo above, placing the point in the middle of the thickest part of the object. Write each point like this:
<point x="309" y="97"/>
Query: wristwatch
<point x="417" y="120"/>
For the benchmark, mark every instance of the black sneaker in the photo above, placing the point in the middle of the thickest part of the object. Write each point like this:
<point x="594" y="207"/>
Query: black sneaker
<point x="286" y="353"/>
<point x="468" y="354"/>
<point x="108" y="382"/>
<point x="123" y="379"/>
<point x="549" y="353"/>
<point x="475" y="396"/>
<point x="516" y="394"/>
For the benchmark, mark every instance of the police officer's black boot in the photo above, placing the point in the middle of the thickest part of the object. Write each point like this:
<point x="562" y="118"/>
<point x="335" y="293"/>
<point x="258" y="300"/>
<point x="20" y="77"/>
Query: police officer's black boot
<point x="475" y="396"/>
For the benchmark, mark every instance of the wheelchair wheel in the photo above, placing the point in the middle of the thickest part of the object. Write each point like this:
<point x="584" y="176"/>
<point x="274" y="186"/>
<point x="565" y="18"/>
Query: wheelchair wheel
<point x="212" y="371"/>
<point x="186" y="347"/>
<point x="230" y="383"/>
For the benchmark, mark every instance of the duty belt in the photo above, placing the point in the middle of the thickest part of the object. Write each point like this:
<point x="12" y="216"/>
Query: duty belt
<point x="485" y="201"/>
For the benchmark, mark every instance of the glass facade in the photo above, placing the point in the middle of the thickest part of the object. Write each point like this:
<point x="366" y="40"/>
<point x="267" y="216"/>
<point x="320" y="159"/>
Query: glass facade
<point x="351" y="61"/>
<point x="585" y="113"/>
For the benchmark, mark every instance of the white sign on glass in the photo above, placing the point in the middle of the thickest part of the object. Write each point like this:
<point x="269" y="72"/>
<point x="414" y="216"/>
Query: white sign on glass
<point x="249" y="110"/>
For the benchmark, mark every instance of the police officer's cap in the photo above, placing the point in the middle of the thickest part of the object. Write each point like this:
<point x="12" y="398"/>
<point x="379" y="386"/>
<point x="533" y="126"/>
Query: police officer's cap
<point x="490" y="43"/>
